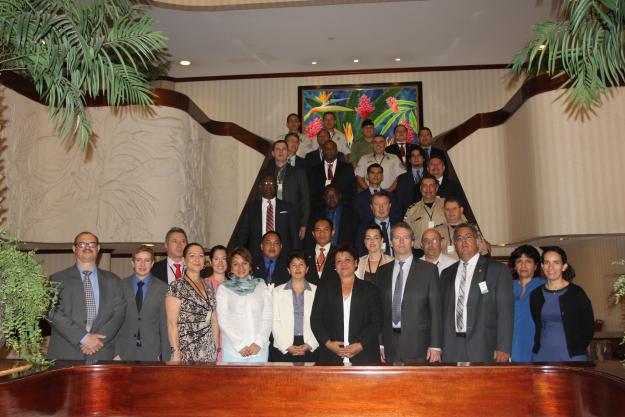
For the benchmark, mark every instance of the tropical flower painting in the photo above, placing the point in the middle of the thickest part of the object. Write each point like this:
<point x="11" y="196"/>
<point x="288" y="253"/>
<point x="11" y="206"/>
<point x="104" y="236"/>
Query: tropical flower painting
<point x="387" y="105"/>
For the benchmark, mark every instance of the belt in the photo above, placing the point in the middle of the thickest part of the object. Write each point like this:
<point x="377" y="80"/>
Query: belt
<point x="461" y="334"/>
<point x="396" y="329"/>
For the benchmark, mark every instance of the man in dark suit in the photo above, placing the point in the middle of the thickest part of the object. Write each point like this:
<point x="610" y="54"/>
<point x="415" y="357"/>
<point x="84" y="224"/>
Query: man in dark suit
<point x="335" y="172"/>
<point x="143" y="336"/>
<point x="400" y="148"/>
<point x="292" y="184"/>
<point x="478" y="304"/>
<point x="315" y="157"/>
<point x="446" y="187"/>
<point x="425" y="141"/>
<point x="411" y="304"/>
<point x="320" y="259"/>
<point x="90" y="308"/>
<point x="269" y="213"/>
<point x="342" y="218"/>
<point x="408" y="183"/>
<point x="271" y="266"/>
<point x="293" y="142"/>
<point x="362" y="200"/>
<point x="172" y="267"/>
<point x="381" y="209"/>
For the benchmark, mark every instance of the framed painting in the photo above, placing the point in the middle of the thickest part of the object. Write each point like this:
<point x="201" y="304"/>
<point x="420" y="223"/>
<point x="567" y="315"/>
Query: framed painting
<point x="387" y="105"/>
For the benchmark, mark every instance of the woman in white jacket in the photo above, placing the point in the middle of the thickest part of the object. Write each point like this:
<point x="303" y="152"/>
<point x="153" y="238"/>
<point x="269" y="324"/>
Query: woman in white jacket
<point x="293" y="340"/>
<point x="244" y="312"/>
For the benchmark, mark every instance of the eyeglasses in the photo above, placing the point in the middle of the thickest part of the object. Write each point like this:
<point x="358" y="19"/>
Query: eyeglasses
<point x="464" y="238"/>
<point x="83" y="245"/>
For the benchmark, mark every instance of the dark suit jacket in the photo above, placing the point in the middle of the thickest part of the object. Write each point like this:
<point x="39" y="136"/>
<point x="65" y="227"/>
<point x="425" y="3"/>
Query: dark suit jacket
<point x="149" y="326"/>
<point x="490" y="316"/>
<point x="313" y="158"/>
<point x="69" y="316"/>
<point x="451" y="188"/>
<point x="294" y="190"/>
<point x="421" y="313"/>
<point x="344" y="179"/>
<point x="250" y="231"/>
<point x="362" y="207"/>
<point x="280" y="273"/>
<point x="438" y="153"/>
<point x="362" y="249"/>
<point x="394" y="149"/>
<point x="347" y="227"/>
<point x="159" y="270"/>
<point x="327" y="274"/>
<point x="407" y="191"/>
<point x="365" y="320"/>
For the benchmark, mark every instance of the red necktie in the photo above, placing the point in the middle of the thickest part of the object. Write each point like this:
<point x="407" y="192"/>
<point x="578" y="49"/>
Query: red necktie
<point x="330" y="174"/>
<point x="178" y="272"/>
<point x="402" y="150"/>
<point x="269" y="220"/>
<point x="321" y="259"/>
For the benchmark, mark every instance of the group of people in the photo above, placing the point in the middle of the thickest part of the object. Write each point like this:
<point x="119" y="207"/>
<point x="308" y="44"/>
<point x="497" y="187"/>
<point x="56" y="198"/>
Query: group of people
<point x="323" y="272"/>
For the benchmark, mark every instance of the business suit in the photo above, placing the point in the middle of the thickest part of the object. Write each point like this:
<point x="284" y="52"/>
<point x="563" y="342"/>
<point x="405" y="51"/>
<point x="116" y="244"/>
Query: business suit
<point x="343" y="179"/>
<point x="294" y="190"/>
<point x="489" y="316"/>
<point x="69" y="316"/>
<point x="159" y="270"/>
<point x="395" y="150"/>
<point x="280" y="272"/>
<point x="407" y="191"/>
<point x="328" y="273"/>
<point x="313" y="158"/>
<point x="365" y="320"/>
<point x="362" y="249"/>
<point x="345" y="230"/>
<point x="362" y="206"/>
<point x="250" y="231"/>
<point x="435" y="152"/>
<point x="143" y="335"/>
<point x="421" y="313"/>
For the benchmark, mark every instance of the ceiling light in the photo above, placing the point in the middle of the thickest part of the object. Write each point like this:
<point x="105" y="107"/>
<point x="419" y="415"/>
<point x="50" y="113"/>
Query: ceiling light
<point x="541" y="47"/>
<point x="148" y="244"/>
<point x="185" y="63"/>
<point x="314" y="62"/>
<point x="356" y="61"/>
<point x="397" y="59"/>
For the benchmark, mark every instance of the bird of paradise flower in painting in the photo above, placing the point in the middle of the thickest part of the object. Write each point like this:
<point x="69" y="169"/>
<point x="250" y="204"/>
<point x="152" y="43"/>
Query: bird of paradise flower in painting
<point x="385" y="106"/>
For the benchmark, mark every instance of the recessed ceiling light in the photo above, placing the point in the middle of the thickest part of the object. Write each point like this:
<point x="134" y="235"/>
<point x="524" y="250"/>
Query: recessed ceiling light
<point x="314" y="62"/>
<point x="356" y="61"/>
<point x="541" y="47"/>
<point x="185" y="62"/>
<point x="397" y="59"/>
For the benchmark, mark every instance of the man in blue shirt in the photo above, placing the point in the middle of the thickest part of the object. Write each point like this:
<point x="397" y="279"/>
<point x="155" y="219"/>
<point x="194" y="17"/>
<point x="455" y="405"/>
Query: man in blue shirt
<point x="271" y="265"/>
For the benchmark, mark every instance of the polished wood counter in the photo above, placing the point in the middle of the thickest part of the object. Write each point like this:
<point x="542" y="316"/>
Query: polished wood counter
<point x="273" y="390"/>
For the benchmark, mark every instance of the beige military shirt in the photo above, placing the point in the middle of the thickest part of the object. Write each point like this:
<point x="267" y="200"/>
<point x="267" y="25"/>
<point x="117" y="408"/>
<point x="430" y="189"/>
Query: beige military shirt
<point x="421" y="217"/>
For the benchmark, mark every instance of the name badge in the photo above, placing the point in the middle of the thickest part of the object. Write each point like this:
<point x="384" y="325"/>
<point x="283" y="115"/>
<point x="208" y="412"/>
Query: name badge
<point x="483" y="287"/>
<point x="451" y="248"/>
<point x="430" y="224"/>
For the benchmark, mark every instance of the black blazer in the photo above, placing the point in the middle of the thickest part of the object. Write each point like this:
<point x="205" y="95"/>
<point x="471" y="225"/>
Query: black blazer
<point x="438" y="153"/>
<point x="313" y="158"/>
<point x="407" y="191"/>
<point x="362" y="206"/>
<point x="577" y="318"/>
<point x="394" y="149"/>
<point x="327" y="274"/>
<point x="365" y="320"/>
<point x="451" y="188"/>
<point x="280" y="273"/>
<point x="159" y="270"/>
<point x="347" y="227"/>
<point x="249" y="233"/>
<point x="294" y="190"/>
<point x="344" y="179"/>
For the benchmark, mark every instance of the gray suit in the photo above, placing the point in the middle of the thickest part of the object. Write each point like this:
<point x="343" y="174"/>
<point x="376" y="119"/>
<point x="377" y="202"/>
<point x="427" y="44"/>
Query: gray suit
<point x="69" y="316"/>
<point x="150" y="327"/>
<point x="490" y="316"/>
<point x="421" y="313"/>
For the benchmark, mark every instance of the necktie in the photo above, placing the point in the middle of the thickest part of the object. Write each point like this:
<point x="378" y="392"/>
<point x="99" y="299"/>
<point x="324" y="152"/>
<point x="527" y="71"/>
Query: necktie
<point x="399" y="283"/>
<point x="269" y="226"/>
<point x="402" y="150"/>
<point x="89" y="299"/>
<point x="330" y="174"/>
<point x="178" y="271"/>
<point x="387" y="250"/>
<point x="321" y="259"/>
<point x="139" y="295"/>
<point x="427" y="152"/>
<point x="270" y="272"/>
<point x="461" y="296"/>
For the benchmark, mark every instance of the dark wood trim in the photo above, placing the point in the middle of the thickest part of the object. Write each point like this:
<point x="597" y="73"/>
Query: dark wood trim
<point x="335" y="72"/>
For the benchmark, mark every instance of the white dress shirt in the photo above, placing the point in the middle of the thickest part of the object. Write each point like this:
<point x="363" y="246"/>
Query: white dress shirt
<point x="264" y="205"/>
<point x="326" y="249"/>
<point x="341" y="141"/>
<point x="325" y="169"/>
<point x="467" y="285"/>
<point x="171" y="269"/>
<point x="405" y="269"/>
<point x="347" y="305"/>
<point x="442" y="262"/>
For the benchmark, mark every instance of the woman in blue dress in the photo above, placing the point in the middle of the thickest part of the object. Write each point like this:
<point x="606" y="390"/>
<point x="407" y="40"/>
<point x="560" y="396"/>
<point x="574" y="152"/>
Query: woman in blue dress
<point x="561" y="311"/>
<point x="524" y="262"/>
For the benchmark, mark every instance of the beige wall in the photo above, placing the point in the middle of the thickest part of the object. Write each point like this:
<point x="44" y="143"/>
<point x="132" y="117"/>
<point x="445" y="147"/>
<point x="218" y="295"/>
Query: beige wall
<point x="546" y="173"/>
